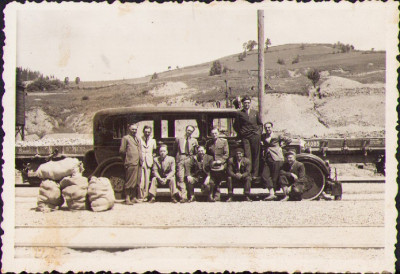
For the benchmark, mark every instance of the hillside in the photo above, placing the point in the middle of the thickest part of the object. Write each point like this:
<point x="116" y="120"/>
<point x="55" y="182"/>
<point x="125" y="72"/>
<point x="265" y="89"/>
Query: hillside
<point x="351" y="100"/>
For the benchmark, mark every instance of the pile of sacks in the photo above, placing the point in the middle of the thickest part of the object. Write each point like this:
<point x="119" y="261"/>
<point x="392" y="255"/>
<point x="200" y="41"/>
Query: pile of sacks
<point x="63" y="181"/>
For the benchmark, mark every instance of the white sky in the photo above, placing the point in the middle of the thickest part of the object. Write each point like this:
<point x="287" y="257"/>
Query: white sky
<point x="105" y="42"/>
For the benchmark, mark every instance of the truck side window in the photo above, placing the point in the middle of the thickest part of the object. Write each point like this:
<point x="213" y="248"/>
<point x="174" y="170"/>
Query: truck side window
<point x="224" y="125"/>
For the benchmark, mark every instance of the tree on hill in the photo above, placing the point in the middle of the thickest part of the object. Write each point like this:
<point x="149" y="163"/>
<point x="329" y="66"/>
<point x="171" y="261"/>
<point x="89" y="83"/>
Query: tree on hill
<point x="44" y="84"/>
<point x="251" y="44"/>
<point x="216" y="68"/>
<point x="314" y="76"/>
<point x="154" y="76"/>
<point x="66" y="81"/>
<point x="267" y="44"/>
<point x="77" y="80"/>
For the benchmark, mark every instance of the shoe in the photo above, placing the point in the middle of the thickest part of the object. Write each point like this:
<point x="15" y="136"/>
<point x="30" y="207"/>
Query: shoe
<point x="182" y="201"/>
<point x="270" y="198"/>
<point x="174" y="200"/>
<point x="286" y="198"/>
<point x="217" y="199"/>
<point x="136" y="201"/>
<point x="247" y="199"/>
<point x="145" y="200"/>
<point x="152" y="200"/>
<point x="128" y="202"/>
<point x="210" y="199"/>
<point x="230" y="199"/>
<point x="192" y="199"/>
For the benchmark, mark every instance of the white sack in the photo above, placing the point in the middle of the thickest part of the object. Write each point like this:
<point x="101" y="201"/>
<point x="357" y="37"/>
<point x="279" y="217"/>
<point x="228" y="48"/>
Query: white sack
<point x="74" y="190"/>
<point x="100" y="194"/>
<point x="49" y="197"/>
<point x="56" y="170"/>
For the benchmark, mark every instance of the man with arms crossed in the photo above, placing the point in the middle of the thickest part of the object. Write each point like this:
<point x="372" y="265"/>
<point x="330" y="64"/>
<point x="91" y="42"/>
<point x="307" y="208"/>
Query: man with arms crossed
<point x="239" y="169"/>
<point x="163" y="174"/>
<point x="184" y="148"/>
<point x="273" y="158"/>
<point x="197" y="171"/>
<point x="148" y="150"/>
<point x="131" y="153"/>
<point x="249" y="126"/>
<point x="218" y="148"/>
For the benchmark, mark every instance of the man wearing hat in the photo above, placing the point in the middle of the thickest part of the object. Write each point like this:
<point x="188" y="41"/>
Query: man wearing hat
<point x="239" y="171"/>
<point x="218" y="148"/>
<point x="197" y="171"/>
<point x="292" y="178"/>
<point x="249" y="126"/>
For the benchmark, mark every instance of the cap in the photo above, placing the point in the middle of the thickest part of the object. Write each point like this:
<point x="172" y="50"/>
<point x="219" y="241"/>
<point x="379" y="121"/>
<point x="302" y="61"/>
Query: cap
<point x="239" y="150"/>
<point x="217" y="166"/>
<point x="246" y="98"/>
<point x="291" y="152"/>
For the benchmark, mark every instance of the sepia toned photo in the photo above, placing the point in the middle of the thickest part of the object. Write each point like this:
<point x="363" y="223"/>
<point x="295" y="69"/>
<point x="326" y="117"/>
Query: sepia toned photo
<point x="183" y="137"/>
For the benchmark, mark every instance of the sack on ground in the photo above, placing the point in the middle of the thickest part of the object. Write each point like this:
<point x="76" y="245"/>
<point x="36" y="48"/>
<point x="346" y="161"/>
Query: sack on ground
<point x="74" y="190"/>
<point x="56" y="170"/>
<point x="49" y="197"/>
<point x="100" y="194"/>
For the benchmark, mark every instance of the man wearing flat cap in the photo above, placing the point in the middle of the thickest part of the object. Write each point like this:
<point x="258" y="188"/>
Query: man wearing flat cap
<point x="249" y="126"/>
<point x="218" y="148"/>
<point x="292" y="178"/>
<point x="239" y="171"/>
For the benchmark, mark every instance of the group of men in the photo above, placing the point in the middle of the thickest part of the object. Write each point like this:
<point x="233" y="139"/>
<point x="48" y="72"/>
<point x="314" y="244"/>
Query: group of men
<point x="207" y="166"/>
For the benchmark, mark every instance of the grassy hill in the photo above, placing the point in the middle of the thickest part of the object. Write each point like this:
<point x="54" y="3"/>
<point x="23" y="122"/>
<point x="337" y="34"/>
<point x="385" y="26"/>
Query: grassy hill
<point x="71" y="110"/>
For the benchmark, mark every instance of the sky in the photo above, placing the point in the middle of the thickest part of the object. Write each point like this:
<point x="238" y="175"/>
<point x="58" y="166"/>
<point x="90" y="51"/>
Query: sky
<point x="122" y="41"/>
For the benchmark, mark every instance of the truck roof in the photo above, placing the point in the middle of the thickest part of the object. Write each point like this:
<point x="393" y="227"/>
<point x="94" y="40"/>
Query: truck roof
<point x="144" y="110"/>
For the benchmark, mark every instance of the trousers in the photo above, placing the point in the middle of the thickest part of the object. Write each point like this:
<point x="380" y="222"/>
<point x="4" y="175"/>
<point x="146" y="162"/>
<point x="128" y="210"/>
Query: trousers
<point x="180" y="176"/>
<point x="154" y="184"/>
<point x="145" y="181"/>
<point x="246" y="181"/>
<point x="133" y="176"/>
<point x="206" y="185"/>
<point x="270" y="174"/>
<point x="251" y="146"/>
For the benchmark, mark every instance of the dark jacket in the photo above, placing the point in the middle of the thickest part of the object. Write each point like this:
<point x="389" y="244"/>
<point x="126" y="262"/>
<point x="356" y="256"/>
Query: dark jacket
<point x="248" y="125"/>
<point x="245" y="167"/>
<point x="219" y="149"/>
<point x="273" y="147"/>
<point x="297" y="168"/>
<point x="194" y="167"/>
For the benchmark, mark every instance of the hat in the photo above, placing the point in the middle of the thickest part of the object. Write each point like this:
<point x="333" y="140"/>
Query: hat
<point x="246" y="98"/>
<point x="215" y="166"/>
<point x="239" y="149"/>
<point x="291" y="152"/>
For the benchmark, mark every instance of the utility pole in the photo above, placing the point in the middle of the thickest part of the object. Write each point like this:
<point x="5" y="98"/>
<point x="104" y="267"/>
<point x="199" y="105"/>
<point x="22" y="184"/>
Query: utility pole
<point x="261" y="65"/>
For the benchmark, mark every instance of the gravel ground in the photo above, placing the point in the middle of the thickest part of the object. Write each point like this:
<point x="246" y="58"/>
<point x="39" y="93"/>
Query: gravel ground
<point x="337" y="213"/>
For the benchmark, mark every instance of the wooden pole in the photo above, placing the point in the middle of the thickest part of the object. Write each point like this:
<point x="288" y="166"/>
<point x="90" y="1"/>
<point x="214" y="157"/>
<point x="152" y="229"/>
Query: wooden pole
<point x="261" y="65"/>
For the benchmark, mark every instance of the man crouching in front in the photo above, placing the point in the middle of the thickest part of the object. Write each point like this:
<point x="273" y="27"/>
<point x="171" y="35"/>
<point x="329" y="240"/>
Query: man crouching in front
<point x="292" y="178"/>
<point x="164" y="173"/>
<point x="239" y="170"/>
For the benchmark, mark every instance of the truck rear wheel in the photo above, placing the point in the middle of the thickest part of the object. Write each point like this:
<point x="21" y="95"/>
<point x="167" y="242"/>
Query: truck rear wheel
<point x="115" y="172"/>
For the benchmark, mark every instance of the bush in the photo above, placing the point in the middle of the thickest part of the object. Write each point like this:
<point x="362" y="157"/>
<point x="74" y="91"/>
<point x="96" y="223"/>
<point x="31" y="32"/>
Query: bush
<point x="314" y="76"/>
<point x="43" y="84"/>
<point x="296" y="59"/>
<point x="302" y="46"/>
<point x="280" y="61"/>
<point x="216" y="68"/>
<point x="154" y="76"/>
<point x="84" y="98"/>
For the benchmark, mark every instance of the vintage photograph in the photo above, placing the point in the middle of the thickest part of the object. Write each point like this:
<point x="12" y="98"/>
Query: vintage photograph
<point x="220" y="137"/>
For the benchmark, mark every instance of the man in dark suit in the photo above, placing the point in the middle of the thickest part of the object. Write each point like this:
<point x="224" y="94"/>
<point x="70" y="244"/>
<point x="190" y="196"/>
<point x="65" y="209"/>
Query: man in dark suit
<point x="239" y="169"/>
<point x="218" y="148"/>
<point x="292" y="178"/>
<point x="249" y="126"/>
<point x="197" y="171"/>
<point x="273" y="158"/>
<point x="184" y="147"/>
